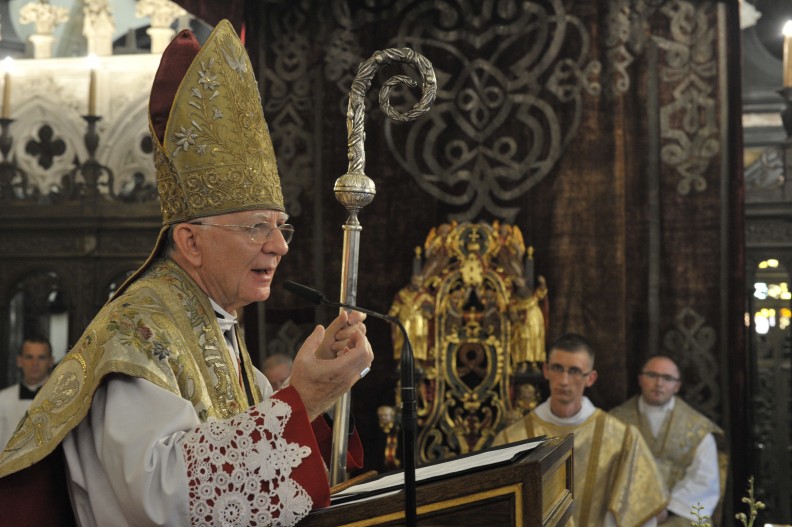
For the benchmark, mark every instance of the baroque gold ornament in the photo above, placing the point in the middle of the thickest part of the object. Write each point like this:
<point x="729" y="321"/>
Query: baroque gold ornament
<point x="476" y="319"/>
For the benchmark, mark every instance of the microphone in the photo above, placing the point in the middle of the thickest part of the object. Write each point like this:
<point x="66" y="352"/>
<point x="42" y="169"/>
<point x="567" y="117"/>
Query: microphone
<point x="303" y="291"/>
<point x="409" y="410"/>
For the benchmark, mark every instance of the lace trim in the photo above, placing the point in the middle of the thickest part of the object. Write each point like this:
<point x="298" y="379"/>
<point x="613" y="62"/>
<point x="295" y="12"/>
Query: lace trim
<point x="239" y="470"/>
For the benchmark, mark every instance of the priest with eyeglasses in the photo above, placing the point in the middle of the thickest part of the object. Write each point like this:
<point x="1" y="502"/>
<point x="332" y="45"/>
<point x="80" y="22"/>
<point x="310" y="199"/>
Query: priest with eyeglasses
<point x="616" y="481"/>
<point x="681" y="439"/>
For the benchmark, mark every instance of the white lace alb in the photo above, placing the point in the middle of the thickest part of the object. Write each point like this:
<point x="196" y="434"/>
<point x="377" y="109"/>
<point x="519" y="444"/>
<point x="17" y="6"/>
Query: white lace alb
<point x="239" y="470"/>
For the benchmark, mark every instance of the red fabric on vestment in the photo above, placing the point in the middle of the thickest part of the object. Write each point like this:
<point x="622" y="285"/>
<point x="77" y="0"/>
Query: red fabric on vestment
<point x="310" y="474"/>
<point x="38" y="495"/>
<point x="324" y="437"/>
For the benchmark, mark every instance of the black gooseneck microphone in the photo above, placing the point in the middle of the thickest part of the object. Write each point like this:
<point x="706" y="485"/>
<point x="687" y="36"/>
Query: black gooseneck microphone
<point x="409" y="411"/>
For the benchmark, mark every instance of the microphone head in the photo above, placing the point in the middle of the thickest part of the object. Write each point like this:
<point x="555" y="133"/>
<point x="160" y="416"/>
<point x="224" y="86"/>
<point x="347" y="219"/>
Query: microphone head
<point x="311" y="295"/>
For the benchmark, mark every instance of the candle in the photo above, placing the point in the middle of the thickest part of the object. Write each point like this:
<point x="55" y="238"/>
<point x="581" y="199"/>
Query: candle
<point x="7" y="64"/>
<point x="92" y="63"/>
<point x="788" y="54"/>
<point x="92" y="94"/>
<point x="6" y="95"/>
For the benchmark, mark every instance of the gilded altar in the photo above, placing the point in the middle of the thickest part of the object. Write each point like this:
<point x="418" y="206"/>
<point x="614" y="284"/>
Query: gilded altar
<point x="476" y="321"/>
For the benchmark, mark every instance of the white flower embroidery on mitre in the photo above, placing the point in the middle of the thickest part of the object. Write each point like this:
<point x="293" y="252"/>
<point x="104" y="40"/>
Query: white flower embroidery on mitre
<point x="239" y="470"/>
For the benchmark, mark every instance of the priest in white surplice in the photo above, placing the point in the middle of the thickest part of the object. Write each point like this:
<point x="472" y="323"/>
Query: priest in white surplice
<point x="681" y="439"/>
<point x="157" y="410"/>
<point x="616" y="481"/>
<point x="34" y="361"/>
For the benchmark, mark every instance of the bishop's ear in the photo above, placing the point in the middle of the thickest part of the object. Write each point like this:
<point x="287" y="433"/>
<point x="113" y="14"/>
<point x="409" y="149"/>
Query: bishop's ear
<point x="186" y="243"/>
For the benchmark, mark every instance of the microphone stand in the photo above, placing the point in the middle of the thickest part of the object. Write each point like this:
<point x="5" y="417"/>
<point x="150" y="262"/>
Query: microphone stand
<point x="409" y="428"/>
<point x="409" y="410"/>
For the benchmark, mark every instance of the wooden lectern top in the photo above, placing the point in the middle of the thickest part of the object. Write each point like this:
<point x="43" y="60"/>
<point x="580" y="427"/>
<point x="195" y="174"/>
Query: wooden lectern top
<point x="534" y="491"/>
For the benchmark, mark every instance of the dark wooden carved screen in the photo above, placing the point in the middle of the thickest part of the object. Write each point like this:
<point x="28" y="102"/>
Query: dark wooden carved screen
<point x="65" y="259"/>
<point x="768" y="197"/>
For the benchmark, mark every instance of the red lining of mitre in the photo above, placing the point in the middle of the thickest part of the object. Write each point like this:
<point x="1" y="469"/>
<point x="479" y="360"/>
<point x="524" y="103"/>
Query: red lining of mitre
<point x="176" y="60"/>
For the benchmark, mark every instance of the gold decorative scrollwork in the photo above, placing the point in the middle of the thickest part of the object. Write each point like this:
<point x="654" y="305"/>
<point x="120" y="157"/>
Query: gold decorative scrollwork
<point x="477" y="325"/>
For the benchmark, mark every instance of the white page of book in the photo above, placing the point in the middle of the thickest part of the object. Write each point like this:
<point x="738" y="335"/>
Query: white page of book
<point x="483" y="459"/>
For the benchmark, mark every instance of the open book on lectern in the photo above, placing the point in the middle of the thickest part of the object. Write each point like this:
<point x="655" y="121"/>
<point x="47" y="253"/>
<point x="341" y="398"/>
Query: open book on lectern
<point x="394" y="481"/>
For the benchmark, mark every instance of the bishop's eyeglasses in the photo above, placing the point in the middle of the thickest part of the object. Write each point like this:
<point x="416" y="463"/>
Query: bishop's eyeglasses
<point x="574" y="372"/>
<point x="258" y="232"/>
<point x="653" y="375"/>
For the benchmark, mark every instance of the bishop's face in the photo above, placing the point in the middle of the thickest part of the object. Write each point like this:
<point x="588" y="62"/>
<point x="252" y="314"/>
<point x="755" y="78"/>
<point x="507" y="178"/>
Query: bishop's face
<point x="236" y="270"/>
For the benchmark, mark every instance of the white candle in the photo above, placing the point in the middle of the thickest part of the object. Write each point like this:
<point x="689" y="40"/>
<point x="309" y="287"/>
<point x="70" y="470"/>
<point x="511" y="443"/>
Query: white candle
<point x="92" y="64"/>
<point x="92" y="94"/>
<point x="6" y="95"/>
<point x="788" y="54"/>
<point x="7" y="65"/>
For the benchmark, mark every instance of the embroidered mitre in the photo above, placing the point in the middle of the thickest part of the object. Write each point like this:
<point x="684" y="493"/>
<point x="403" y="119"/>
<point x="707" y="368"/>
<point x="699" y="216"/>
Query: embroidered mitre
<point x="212" y="149"/>
<point x="216" y="155"/>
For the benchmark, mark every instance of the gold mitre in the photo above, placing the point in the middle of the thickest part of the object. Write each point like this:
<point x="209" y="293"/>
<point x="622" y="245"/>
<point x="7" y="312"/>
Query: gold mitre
<point x="216" y="156"/>
<point x="212" y="147"/>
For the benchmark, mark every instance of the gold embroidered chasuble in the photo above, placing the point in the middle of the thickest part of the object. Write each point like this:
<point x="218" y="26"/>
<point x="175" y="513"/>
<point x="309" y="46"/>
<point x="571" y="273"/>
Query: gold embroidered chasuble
<point x="675" y="446"/>
<point x="161" y="329"/>
<point x="613" y="469"/>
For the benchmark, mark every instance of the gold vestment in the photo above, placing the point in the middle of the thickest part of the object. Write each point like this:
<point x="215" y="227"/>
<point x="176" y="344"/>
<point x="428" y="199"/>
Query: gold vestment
<point x="675" y="446"/>
<point x="162" y="329"/>
<point x="614" y="470"/>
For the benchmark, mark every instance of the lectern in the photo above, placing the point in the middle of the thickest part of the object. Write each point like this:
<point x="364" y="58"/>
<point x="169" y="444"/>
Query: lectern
<point x="534" y="491"/>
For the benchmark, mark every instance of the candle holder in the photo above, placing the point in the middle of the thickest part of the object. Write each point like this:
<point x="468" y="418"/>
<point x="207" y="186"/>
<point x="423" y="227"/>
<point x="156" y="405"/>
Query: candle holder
<point x="91" y="172"/>
<point x="13" y="180"/>
<point x="786" y="113"/>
